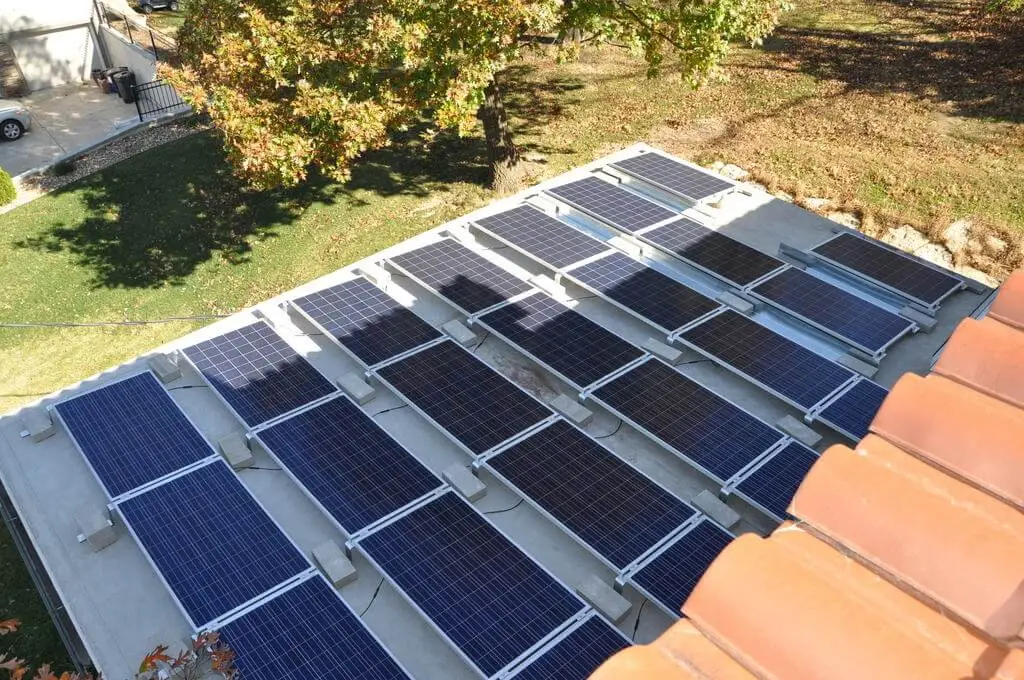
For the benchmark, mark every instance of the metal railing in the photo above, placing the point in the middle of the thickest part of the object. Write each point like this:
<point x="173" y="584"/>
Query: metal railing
<point x="157" y="98"/>
<point x="163" y="46"/>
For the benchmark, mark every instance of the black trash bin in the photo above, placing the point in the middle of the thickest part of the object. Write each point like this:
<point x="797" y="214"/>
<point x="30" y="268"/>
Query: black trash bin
<point x="125" y="81"/>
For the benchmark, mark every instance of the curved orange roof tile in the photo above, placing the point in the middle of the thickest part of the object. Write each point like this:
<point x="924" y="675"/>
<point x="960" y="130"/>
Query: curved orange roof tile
<point x="680" y="652"/>
<point x="987" y="356"/>
<point x="1009" y="303"/>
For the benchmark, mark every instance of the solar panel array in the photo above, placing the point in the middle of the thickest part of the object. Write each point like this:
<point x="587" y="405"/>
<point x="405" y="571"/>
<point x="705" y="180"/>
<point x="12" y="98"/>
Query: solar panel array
<point x="577" y="655"/>
<point x="553" y="242"/>
<point x="366" y="321"/>
<point x="257" y="373"/>
<point x="671" y="175"/>
<point x="490" y="599"/>
<point x="613" y="204"/>
<point x="854" y="410"/>
<point x="131" y="432"/>
<point x="568" y="342"/>
<point x="774" y="483"/>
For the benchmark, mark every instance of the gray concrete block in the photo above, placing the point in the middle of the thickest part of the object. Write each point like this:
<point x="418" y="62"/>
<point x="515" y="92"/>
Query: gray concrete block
<point x="709" y="504"/>
<point x="375" y="274"/>
<point x="797" y="254"/>
<point x="96" y="528"/>
<point x="465" y="482"/>
<point x="572" y="410"/>
<point x="334" y="564"/>
<point x="548" y="285"/>
<point x="235" y="449"/>
<point x="458" y="332"/>
<point x="666" y="353"/>
<point x="164" y="369"/>
<point x="854" y="364"/>
<point x="741" y="305"/>
<point x="798" y="431"/>
<point x="603" y="598"/>
<point x="38" y="423"/>
<point x="356" y="387"/>
<point x="926" y="322"/>
<point x="627" y="245"/>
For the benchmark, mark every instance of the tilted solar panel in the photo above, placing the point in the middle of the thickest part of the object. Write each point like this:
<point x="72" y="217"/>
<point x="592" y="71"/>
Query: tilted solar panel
<point x="673" y="176"/>
<point x="614" y="509"/>
<point x="471" y="282"/>
<point x="131" y="432"/>
<point x="577" y="655"/>
<point x="551" y="241"/>
<point x="465" y="397"/>
<point x="490" y="599"/>
<point x="688" y="418"/>
<point x="773" y="485"/>
<point x="307" y="632"/>
<point x="211" y="541"/>
<point x="257" y="373"/>
<point x="853" y="412"/>
<point x="611" y="203"/>
<point x="353" y="468"/>
<point x="570" y="343"/>
<point x="366" y="320"/>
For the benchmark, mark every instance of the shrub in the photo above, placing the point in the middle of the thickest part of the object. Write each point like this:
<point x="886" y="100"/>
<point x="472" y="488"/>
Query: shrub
<point x="7" y="191"/>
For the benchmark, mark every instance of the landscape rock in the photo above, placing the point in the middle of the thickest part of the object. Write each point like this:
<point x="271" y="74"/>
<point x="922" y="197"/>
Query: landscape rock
<point x="935" y="254"/>
<point x="978" y="276"/>
<point x="974" y="246"/>
<point x="905" y="238"/>
<point x="731" y="171"/>
<point x="782" y="195"/>
<point x="957" y="235"/>
<point x="995" y="245"/>
<point x="818" y="204"/>
<point x="847" y="219"/>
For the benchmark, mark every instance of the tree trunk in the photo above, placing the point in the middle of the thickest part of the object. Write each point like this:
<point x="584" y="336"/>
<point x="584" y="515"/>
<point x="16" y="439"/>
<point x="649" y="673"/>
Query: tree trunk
<point x="502" y="153"/>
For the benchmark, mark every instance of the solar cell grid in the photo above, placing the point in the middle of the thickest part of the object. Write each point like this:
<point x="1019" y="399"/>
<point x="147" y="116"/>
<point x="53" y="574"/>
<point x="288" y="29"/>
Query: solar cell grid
<point x="471" y="282"/>
<point x="465" y="397"/>
<point x="357" y="472"/>
<point x="733" y="261"/>
<point x="650" y="294"/>
<point x="611" y="203"/>
<point x="307" y="632"/>
<point x="848" y="316"/>
<point x="570" y="343"/>
<point x="132" y="433"/>
<point x="212" y="542"/>
<point x="577" y="655"/>
<point x="686" y="417"/>
<point x="366" y="320"/>
<point x="552" y="241"/>
<point x="613" y="508"/>
<point x="490" y="599"/>
<point x="791" y="370"/>
<point x="773" y="485"/>
<point x="679" y="178"/>
<point x="855" y="409"/>
<point x="257" y="373"/>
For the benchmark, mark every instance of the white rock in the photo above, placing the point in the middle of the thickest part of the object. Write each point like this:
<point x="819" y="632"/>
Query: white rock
<point x="733" y="172"/>
<point x="905" y="238"/>
<point x="995" y="245"/>
<point x="818" y="204"/>
<point x="978" y="276"/>
<point x="957" y="235"/>
<point x="783" y="196"/>
<point x="845" y="218"/>
<point x="935" y="254"/>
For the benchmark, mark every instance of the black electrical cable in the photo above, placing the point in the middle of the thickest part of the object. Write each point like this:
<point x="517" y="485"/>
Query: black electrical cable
<point x="372" y="597"/>
<point x="256" y="467"/>
<point x="185" y="387"/>
<point x="637" y="624"/>
<point x="497" y="512"/>
<point x="482" y="341"/>
<point x="387" y="410"/>
<point x="612" y="433"/>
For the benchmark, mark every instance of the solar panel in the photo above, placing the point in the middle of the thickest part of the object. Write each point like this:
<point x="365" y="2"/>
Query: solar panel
<point x="353" y="468"/>
<point x="212" y="542"/>
<point x="731" y="260"/>
<point x="889" y="267"/>
<point x="673" y="176"/>
<point x="853" y="412"/>
<point x="614" y="509"/>
<point x="307" y="632"/>
<point x="465" y="397"/>
<point x="570" y="343"/>
<point x="490" y="599"/>
<point x="652" y="295"/>
<point x="366" y="321"/>
<point x="692" y="420"/>
<point x="848" y="316"/>
<point x="257" y="373"/>
<point x="611" y="203"/>
<point x="577" y="655"/>
<point x="672" y="576"/>
<point x="773" y="485"/>
<point x="549" y="240"/>
<point x="132" y="433"/>
<point x="469" y="281"/>
<point x="791" y="370"/>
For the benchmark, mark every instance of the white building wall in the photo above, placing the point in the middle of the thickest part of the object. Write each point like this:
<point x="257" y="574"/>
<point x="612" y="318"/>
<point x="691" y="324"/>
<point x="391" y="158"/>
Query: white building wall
<point x="52" y="39"/>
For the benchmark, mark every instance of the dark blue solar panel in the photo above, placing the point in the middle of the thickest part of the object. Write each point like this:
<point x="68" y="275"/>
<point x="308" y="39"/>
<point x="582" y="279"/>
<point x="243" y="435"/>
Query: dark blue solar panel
<point x="307" y="632"/>
<point x="132" y="433"/>
<point x="549" y="240"/>
<point x="853" y="412"/>
<point x="577" y="655"/>
<point x="773" y="485"/>
<point x="490" y="599"/>
<point x="652" y="295"/>
<point x="795" y="372"/>
<point x="471" y="282"/>
<point x="570" y="343"/>
<point x="366" y="320"/>
<point x="258" y="373"/>
<point x="465" y="397"/>
<point x="614" y="509"/>
<point x="673" y="176"/>
<point x="610" y="203"/>
<point x="692" y="420"/>
<point x="728" y="258"/>
<point x="348" y="463"/>
<point x="673" y="575"/>
<point x="848" y="316"/>
<point x="213" y="543"/>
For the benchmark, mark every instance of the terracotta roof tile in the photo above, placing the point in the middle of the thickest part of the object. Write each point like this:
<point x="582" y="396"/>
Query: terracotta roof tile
<point x="987" y="356"/>
<point x="681" y="652"/>
<point x="1009" y="304"/>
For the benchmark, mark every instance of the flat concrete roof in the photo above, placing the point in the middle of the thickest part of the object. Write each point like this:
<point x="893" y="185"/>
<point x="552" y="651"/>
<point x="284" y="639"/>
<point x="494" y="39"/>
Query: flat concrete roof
<point x="118" y="603"/>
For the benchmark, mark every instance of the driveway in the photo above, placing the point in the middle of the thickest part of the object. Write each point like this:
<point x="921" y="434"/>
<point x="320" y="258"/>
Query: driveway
<point x="66" y="120"/>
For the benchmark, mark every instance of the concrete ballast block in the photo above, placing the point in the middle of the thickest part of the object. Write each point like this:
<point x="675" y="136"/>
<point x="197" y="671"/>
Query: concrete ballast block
<point x="164" y="369"/>
<point x="798" y="431"/>
<point x="38" y="423"/>
<point x="854" y="364"/>
<point x="465" y="482"/>
<point x="627" y="245"/>
<point x="927" y="323"/>
<point x="603" y="598"/>
<point x="741" y="305"/>
<point x="709" y="504"/>
<point x="572" y="409"/>
<point x="96" y="527"/>
<point x="334" y="564"/>
<point x="795" y="253"/>
<point x="354" y="386"/>
<point x="458" y="332"/>
<point x="666" y="353"/>
<point x="235" y="449"/>
<point x="375" y="274"/>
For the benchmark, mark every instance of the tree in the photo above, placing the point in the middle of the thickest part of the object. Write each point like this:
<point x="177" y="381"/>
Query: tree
<point x="298" y="83"/>
<point x="18" y="670"/>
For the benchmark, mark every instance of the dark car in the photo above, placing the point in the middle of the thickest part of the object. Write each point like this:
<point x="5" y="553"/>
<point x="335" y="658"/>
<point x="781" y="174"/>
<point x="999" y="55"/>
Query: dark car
<point x="147" y="6"/>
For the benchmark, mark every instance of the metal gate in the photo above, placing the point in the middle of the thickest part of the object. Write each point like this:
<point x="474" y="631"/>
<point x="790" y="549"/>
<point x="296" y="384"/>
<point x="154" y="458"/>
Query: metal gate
<point x="157" y="98"/>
